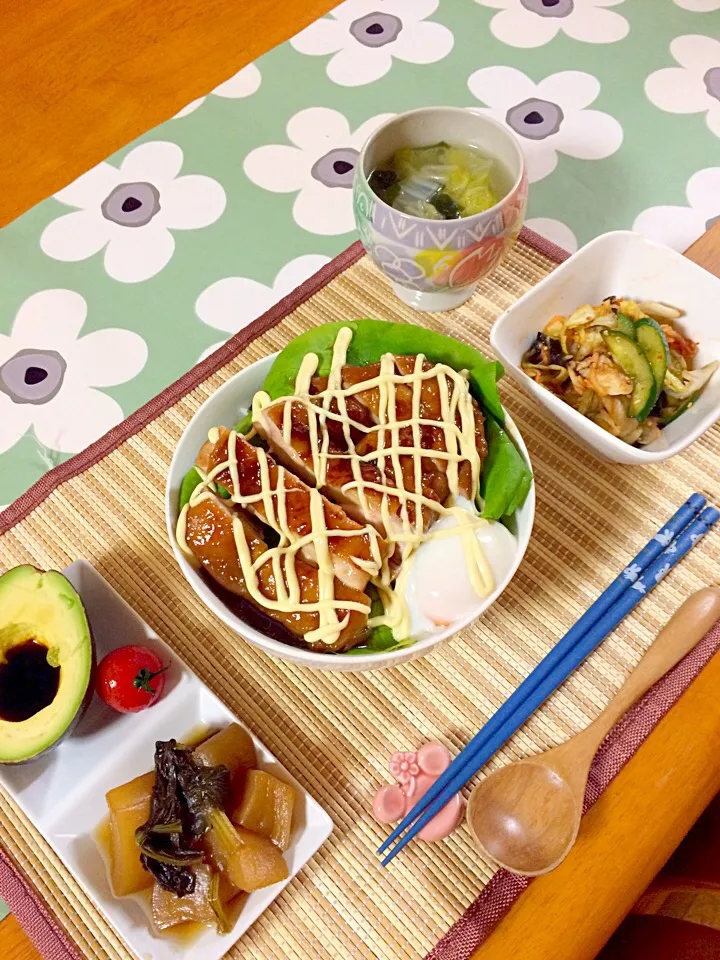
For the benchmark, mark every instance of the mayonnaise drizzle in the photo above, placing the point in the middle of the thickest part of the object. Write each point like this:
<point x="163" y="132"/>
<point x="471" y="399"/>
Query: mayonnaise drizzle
<point x="459" y="443"/>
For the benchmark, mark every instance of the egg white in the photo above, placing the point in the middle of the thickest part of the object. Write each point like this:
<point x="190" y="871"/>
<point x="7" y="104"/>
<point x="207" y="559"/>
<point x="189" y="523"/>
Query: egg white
<point x="438" y="590"/>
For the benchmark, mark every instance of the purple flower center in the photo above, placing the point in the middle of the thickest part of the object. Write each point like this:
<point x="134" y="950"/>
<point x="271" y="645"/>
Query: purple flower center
<point x="131" y="204"/>
<point x="32" y="376"/>
<point x="535" y="119"/>
<point x="549" y="8"/>
<point x="712" y="82"/>
<point x="376" y="29"/>
<point x="336" y="168"/>
<point x="35" y="375"/>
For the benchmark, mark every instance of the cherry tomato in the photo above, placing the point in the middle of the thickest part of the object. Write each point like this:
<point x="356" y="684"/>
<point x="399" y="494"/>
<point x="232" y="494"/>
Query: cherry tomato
<point x="130" y="678"/>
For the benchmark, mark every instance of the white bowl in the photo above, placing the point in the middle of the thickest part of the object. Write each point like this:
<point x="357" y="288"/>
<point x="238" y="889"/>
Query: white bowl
<point x="225" y="407"/>
<point x="621" y="263"/>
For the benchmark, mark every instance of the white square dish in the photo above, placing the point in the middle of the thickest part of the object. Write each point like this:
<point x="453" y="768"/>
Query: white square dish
<point x="63" y="792"/>
<point x="621" y="263"/>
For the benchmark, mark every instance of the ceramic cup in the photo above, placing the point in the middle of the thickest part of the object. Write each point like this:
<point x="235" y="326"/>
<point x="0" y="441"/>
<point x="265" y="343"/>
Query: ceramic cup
<point x="436" y="264"/>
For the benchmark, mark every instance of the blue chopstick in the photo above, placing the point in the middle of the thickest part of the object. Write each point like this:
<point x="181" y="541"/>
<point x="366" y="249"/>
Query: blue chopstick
<point x="470" y="765"/>
<point x="554" y="669"/>
<point x="687" y="512"/>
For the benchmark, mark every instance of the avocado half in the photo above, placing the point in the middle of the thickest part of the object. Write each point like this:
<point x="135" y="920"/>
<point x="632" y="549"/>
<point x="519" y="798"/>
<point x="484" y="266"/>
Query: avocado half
<point x="42" y="694"/>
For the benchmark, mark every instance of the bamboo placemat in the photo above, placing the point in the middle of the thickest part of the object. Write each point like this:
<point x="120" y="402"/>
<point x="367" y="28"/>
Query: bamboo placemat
<point x="335" y="732"/>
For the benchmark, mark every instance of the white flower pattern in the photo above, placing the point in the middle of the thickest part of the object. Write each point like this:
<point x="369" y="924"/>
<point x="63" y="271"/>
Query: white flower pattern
<point x="234" y="302"/>
<point x="677" y="226"/>
<point x="129" y="212"/>
<point x="364" y="36"/>
<point x="548" y="117"/>
<point x="319" y="167"/>
<point x="533" y="23"/>
<point x="699" y="6"/>
<point x="50" y="375"/>
<point x="242" y="84"/>
<point x="86" y="248"/>
<point x="694" y="86"/>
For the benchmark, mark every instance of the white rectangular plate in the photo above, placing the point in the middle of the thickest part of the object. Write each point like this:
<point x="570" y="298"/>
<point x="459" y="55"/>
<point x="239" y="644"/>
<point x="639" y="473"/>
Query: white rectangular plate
<point x="63" y="792"/>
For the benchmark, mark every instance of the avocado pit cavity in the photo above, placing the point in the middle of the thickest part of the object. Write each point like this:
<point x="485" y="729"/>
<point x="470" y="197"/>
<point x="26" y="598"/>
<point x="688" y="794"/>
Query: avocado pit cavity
<point x="28" y="681"/>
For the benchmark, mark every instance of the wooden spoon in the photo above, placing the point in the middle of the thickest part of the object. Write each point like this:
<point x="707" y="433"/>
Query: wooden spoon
<point x="526" y="816"/>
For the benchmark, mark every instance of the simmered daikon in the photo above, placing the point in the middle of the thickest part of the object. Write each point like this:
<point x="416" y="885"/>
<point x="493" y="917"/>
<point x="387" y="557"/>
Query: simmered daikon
<point x="266" y="807"/>
<point x="170" y="829"/>
<point x="250" y="861"/>
<point x="129" y="806"/>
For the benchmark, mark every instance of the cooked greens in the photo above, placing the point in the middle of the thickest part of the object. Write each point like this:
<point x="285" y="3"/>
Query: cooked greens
<point x="183" y="794"/>
<point x="379" y="639"/>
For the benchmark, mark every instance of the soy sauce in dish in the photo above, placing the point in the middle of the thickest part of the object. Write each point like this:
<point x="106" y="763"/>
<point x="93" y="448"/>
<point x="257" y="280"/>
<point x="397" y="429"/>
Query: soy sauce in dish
<point x="28" y="683"/>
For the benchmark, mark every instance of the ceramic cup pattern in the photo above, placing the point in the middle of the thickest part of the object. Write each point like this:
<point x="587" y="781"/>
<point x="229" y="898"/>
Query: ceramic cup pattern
<point x="436" y="264"/>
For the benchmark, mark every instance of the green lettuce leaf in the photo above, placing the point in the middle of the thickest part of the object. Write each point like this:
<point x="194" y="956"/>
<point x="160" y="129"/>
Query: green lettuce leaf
<point x="385" y="648"/>
<point x="506" y="477"/>
<point x="379" y="639"/>
<point x="382" y="637"/>
<point x="191" y="480"/>
<point x="371" y="339"/>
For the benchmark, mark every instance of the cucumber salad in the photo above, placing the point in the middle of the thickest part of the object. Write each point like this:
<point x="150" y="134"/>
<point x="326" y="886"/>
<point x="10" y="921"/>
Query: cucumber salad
<point x="625" y="365"/>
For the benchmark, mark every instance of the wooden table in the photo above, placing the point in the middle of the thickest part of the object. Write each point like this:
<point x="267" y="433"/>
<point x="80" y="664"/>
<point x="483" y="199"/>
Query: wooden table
<point x="14" y="943"/>
<point x="74" y="76"/>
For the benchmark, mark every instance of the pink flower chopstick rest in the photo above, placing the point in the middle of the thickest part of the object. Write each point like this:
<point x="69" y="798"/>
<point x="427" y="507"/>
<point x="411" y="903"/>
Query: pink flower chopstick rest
<point x="415" y="773"/>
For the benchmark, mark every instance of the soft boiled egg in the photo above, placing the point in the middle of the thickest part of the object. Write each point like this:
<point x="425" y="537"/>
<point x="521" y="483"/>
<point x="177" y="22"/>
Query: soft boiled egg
<point x="438" y="589"/>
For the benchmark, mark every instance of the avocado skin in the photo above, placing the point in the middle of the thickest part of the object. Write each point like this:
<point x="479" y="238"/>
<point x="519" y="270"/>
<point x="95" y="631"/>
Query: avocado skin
<point x="28" y="577"/>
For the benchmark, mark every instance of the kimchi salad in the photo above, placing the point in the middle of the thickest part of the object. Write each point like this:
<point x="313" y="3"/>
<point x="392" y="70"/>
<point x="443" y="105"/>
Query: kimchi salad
<point x="625" y="365"/>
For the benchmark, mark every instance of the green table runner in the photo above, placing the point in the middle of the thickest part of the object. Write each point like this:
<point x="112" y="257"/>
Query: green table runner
<point x="119" y="283"/>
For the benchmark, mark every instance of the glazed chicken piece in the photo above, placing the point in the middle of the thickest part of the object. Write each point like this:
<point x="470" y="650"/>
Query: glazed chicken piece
<point x="433" y="438"/>
<point x="297" y="456"/>
<point x="349" y="543"/>
<point x="363" y="412"/>
<point x="209" y="535"/>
